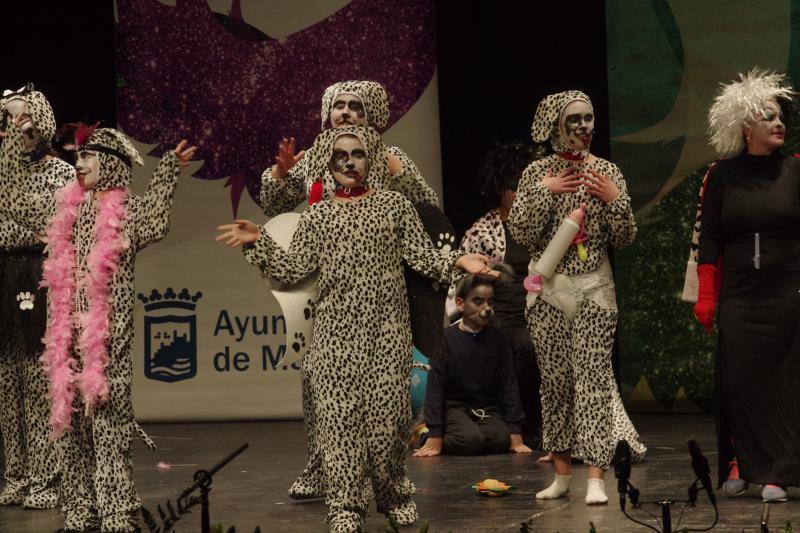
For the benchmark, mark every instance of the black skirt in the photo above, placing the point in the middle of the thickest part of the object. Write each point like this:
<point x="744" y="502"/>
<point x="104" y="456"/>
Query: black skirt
<point x="758" y="365"/>
<point x="23" y="304"/>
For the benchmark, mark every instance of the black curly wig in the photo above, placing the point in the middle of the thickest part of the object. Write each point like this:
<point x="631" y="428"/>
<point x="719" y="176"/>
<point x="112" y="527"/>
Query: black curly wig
<point x="502" y="168"/>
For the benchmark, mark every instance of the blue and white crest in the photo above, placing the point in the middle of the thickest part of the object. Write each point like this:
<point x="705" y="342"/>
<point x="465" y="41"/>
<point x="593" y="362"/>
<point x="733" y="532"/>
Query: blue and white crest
<point x="170" y="335"/>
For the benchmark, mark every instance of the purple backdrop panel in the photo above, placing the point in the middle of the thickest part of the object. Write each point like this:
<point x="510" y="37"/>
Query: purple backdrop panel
<point x="187" y="72"/>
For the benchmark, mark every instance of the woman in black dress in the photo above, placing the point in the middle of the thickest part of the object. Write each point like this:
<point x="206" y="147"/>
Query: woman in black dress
<point x="749" y="263"/>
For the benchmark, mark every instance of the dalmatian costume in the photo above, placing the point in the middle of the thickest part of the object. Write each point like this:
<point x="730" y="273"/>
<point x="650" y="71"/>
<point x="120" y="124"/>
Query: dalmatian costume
<point x="581" y="409"/>
<point x="359" y="360"/>
<point x="280" y="196"/>
<point x="486" y="236"/>
<point x="31" y="462"/>
<point x="94" y="236"/>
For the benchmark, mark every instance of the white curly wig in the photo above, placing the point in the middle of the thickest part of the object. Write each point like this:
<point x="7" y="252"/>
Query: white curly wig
<point x="740" y="102"/>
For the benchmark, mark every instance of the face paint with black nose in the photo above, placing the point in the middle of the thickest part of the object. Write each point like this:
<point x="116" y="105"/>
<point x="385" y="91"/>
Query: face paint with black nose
<point x="577" y="126"/>
<point x="348" y="162"/>
<point x="87" y="169"/>
<point x="348" y="110"/>
<point x="477" y="309"/>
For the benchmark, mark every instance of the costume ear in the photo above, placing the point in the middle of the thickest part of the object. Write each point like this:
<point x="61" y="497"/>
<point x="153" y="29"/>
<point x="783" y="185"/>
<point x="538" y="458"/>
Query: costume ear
<point x="327" y="102"/>
<point x="127" y="146"/>
<point x="546" y="115"/>
<point x="374" y="96"/>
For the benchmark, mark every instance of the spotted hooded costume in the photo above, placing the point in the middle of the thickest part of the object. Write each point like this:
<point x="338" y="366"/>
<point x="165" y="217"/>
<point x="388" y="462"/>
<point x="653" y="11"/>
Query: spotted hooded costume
<point x="93" y="240"/>
<point x="281" y="196"/>
<point x="303" y="182"/>
<point x="31" y="464"/>
<point x="581" y="408"/>
<point x="360" y="356"/>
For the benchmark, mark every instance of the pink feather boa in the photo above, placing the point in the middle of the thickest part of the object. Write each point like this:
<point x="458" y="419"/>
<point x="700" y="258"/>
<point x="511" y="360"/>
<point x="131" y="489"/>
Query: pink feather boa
<point x="59" y="277"/>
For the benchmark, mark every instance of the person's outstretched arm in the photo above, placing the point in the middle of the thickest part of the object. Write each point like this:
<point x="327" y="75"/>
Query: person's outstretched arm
<point x="152" y="212"/>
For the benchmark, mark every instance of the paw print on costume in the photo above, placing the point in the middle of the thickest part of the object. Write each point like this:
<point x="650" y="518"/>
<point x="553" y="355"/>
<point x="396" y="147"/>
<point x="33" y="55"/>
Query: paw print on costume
<point x="299" y="342"/>
<point x="25" y="300"/>
<point x="309" y="312"/>
<point x="446" y="242"/>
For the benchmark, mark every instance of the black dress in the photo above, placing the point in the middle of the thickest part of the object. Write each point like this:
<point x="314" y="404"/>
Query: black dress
<point x="752" y="199"/>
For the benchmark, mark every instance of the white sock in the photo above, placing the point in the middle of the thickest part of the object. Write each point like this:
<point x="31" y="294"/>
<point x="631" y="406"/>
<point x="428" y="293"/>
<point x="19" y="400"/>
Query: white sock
<point x="596" y="491"/>
<point x="557" y="489"/>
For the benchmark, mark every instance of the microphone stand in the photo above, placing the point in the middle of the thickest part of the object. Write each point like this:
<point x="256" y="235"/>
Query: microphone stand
<point x="627" y="489"/>
<point x="187" y="500"/>
<point x="202" y="481"/>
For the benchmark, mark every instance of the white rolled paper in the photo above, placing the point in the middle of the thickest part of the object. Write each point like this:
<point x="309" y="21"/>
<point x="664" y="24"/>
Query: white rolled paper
<point x="557" y="247"/>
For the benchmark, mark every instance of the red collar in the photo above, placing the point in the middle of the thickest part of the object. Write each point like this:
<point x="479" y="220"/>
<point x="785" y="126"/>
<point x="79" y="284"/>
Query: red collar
<point x="569" y="156"/>
<point x="354" y="192"/>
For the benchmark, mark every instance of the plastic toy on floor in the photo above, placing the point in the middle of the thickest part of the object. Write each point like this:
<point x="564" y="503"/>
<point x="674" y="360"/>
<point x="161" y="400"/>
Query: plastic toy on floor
<point x="492" y="487"/>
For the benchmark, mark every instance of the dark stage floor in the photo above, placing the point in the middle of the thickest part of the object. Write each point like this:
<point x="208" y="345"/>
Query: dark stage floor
<point x="252" y="490"/>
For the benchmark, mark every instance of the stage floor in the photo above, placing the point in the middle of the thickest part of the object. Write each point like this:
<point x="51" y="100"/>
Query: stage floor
<point x="252" y="489"/>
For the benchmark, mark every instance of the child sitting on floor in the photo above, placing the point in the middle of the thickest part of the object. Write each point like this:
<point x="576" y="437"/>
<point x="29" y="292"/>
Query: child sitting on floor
<point x="472" y="403"/>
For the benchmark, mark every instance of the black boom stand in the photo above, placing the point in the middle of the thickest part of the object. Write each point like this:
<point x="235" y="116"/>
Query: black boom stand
<point x="622" y="470"/>
<point x="169" y="515"/>
<point x="202" y="480"/>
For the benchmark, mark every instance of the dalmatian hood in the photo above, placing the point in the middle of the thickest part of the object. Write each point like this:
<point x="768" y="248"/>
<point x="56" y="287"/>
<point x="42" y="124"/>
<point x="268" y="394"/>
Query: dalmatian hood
<point x="372" y="95"/>
<point x="115" y="153"/>
<point x="43" y="122"/>
<point x="547" y="124"/>
<point x="320" y="153"/>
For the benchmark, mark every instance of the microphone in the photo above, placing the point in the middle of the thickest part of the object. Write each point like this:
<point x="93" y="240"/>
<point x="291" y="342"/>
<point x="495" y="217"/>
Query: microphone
<point x="765" y="519"/>
<point x="702" y="470"/>
<point x="622" y="469"/>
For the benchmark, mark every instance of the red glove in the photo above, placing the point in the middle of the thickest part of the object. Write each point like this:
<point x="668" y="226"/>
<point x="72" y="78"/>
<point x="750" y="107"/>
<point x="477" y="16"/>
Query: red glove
<point x="706" y="296"/>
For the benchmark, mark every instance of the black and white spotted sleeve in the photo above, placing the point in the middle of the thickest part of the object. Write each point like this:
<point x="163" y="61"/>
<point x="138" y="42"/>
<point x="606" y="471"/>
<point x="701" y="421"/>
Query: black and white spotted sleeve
<point x="29" y="210"/>
<point x="409" y="181"/>
<point x="287" y="266"/>
<point x="619" y="214"/>
<point x="13" y="236"/>
<point x="530" y="212"/>
<point x="31" y="196"/>
<point x="151" y="213"/>
<point x="282" y="196"/>
<point x="418" y="250"/>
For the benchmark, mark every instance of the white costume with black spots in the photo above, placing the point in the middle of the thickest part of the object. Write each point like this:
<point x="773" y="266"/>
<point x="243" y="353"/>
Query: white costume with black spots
<point x="360" y="357"/>
<point x="281" y="196"/>
<point x="580" y="399"/>
<point x="98" y="488"/>
<point x="31" y="462"/>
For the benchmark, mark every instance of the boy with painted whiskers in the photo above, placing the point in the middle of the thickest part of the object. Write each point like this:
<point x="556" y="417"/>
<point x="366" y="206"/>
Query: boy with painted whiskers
<point x="356" y="241"/>
<point x="472" y="402"/>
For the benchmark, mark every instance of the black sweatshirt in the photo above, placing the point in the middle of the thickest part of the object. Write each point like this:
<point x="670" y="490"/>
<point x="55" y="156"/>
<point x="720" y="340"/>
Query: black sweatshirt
<point x="478" y="371"/>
